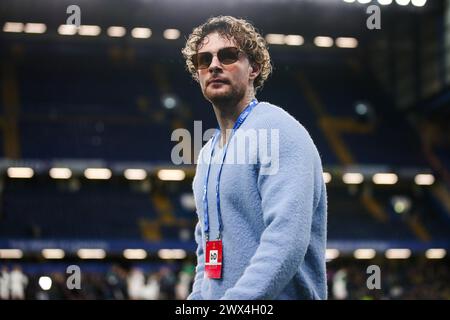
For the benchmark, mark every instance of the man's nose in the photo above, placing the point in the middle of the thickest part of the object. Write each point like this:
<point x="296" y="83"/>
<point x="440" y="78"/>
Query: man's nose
<point x="215" y="65"/>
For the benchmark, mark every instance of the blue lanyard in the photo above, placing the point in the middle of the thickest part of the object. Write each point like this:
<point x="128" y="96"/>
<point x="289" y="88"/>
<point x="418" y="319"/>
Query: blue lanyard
<point x="236" y="126"/>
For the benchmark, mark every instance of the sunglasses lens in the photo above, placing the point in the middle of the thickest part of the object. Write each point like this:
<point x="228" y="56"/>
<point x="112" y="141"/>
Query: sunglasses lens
<point x="228" y="55"/>
<point x="202" y="60"/>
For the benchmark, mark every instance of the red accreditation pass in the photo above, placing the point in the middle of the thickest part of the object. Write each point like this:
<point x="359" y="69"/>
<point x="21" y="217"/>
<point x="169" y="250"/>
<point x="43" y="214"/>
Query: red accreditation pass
<point x="213" y="259"/>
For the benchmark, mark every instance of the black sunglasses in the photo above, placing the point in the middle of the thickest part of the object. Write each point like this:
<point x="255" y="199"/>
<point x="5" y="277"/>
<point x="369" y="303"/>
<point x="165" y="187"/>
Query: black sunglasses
<point x="226" y="56"/>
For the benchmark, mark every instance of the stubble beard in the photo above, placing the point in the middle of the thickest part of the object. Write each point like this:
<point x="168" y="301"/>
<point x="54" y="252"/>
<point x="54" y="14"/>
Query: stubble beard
<point x="225" y="99"/>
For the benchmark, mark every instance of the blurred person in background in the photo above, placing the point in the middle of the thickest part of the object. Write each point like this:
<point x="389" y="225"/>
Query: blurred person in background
<point x="136" y="284"/>
<point x="182" y="288"/>
<point x="117" y="283"/>
<point x="151" y="290"/>
<point x="18" y="283"/>
<point x="4" y="283"/>
<point x="167" y="284"/>
<point x="340" y="285"/>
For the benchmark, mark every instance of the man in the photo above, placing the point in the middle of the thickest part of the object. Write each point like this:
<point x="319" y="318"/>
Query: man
<point x="261" y="233"/>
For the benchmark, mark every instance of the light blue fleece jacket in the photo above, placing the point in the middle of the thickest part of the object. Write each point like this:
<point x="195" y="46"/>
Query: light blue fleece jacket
<point x="274" y="222"/>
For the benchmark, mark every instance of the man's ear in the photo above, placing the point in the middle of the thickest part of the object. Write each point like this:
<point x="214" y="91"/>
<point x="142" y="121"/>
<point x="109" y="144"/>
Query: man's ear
<point x="255" y="70"/>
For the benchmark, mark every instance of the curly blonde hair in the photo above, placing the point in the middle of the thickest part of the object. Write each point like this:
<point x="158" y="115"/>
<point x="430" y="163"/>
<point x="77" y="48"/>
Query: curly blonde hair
<point x="243" y="33"/>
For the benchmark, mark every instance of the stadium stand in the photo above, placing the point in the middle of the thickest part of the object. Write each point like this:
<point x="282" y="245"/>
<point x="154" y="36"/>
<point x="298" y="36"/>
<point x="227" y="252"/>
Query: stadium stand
<point x="77" y="103"/>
